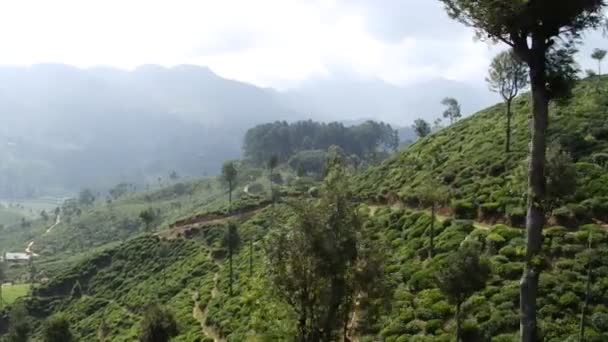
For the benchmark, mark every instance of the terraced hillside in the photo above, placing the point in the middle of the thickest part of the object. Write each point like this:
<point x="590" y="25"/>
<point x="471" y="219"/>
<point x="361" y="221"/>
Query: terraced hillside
<point x="467" y="160"/>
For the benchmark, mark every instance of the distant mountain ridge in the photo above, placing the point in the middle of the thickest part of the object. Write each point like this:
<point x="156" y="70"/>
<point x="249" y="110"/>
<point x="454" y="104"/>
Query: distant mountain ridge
<point x="66" y="128"/>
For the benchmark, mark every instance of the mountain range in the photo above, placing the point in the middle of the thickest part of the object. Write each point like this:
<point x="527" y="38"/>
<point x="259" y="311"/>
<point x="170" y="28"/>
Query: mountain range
<point x="65" y="128"/>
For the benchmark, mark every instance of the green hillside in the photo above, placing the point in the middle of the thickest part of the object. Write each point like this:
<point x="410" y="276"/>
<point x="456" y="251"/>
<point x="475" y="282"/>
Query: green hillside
<point x="468" y="160"/>
<point x="185" y="274"/>
<point x="105" y="267"/>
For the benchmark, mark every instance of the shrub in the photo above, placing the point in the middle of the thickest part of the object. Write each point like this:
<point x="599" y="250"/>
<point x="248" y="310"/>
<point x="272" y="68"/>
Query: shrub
<point x="490" y="211"/>
<point x="598" y="207"/>
<point x="464" y="209"/>
<point x="564" y="217"/>
<point x="516" y="217"/>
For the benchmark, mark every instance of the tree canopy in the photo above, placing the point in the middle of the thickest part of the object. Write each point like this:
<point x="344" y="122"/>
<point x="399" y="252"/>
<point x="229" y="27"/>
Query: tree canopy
<point x="286" y="139"/>
<point x="421" y="127"/>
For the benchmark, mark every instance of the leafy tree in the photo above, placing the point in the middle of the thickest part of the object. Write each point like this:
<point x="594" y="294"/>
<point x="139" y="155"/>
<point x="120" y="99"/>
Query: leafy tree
<point x="421" y="127"/>
<point x="148" y="216"/>
<point x="461" y="275"/>
<point x="315" y="261"/>
<point x="561" y="177"/>
<point x="158" y="325"/>
<point x="273" y="162"/>
<point x="543" y="34"/>
<point x="86" y="197"/>
<point x="57" y="329"/>
<point x="18" y="326"/>
<point x="507" y="76"/>
<point x="231" y="241"/>
<point x="173" y="176"/>
<point x="44" y="215"/>
<point x="452" y="111"/>
<point x="229" y="174"/>
<point x="599" y="55"/>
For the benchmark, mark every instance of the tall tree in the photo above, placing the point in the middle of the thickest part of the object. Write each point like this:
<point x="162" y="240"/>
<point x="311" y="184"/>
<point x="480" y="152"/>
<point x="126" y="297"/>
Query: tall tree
<point x="421" y="127"/>
<point x="57" y="329"/>
<point x="599" y="55"/>
<point x="312" y="259"/>
<point x="432" y="195"/>
<point x="231" y="241"/>
<point x="158" y="325"/>
<point x="542" y="33"/>
<point x="461" y="275"/>
<point x="147" y="216"/>
<point x="273" y="162"/>
<point x="508" y="75"/>
<point x="452" y="110"/>
<point x="229" y="174"/>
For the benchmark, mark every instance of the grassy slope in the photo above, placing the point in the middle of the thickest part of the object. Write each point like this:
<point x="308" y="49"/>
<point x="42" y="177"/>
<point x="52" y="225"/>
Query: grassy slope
<point x="128" y="275"/>
<point x="120" y="281"/>
<point x="471" y="162"/>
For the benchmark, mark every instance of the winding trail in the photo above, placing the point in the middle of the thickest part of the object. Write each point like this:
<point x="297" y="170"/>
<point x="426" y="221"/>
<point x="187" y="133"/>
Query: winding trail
<point x="201" y="315"/>
<point x="28" y="249"/>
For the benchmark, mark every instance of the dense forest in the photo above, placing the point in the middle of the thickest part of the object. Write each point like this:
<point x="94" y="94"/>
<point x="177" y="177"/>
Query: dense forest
<point x="284" y="139"/>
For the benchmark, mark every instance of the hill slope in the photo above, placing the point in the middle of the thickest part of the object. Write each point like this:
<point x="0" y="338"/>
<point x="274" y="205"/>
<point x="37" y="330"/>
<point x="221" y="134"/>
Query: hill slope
<point x="469" y="161"/>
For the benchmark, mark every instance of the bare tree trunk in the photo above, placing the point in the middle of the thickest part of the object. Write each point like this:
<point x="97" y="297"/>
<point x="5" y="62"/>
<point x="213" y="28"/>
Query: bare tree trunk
<point x="508" y="140"/>
<point x="535" y="218"/>
<point x="230" y="268"/>
<point x="581" y="336"/>
<point x="432" y="232"/>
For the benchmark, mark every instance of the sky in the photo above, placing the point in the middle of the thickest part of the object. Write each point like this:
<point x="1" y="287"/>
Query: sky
<point x="274" y="43"/>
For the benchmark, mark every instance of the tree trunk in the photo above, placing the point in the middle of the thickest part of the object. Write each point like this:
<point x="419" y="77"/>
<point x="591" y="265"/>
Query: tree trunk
<point x="581" y="336"/>
<point x="251" y="257"/>
<point x="230" y="268"/>
<point x="229" y="198"/>
<point x="535" y="217"/>
<point x="432" y="232"/>
<point x="508" y="139"/>
<point x="457" y="318"/>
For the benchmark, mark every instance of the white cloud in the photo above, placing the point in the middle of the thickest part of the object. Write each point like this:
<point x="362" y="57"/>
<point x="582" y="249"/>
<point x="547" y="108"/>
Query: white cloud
<point x="267" y="42"/>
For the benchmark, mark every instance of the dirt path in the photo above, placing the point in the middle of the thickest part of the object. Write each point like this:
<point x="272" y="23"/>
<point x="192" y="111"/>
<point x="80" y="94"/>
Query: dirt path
<point x="374" y="208"/>
<point x="201" y="315"/>
<point x="28" y="249"/>
<point x="187" y="227"/>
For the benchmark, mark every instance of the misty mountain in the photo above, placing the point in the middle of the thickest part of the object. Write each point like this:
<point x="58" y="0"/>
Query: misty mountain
<point x="335" y="98"/>
<point x="65" y="128"/>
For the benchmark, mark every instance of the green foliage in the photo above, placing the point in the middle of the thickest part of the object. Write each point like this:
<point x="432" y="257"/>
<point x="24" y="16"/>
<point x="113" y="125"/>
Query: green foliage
<point x="421" y="127"/>
<point x="19" y="327"/>
<point x="158" y="325"/>
<point x="462" y="274"/>
<point x="463" y="158"/>
<point x="452" y="111"/>
<point x="57" y="329"/>
<point x="284" y="139"/>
